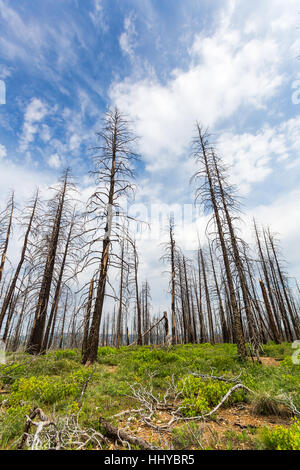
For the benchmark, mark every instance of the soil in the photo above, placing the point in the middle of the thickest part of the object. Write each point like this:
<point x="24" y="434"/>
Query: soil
<point x="235" y="419"/>
<point x="269" y="361"/>
<point x="111" y="369"/>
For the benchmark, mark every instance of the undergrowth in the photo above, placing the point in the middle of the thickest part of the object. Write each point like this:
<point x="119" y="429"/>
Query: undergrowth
<point x="54" y="383"/>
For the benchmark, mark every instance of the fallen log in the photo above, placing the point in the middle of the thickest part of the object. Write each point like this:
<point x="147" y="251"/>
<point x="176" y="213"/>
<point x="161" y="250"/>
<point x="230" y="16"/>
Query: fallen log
<point x="123" y="436"/>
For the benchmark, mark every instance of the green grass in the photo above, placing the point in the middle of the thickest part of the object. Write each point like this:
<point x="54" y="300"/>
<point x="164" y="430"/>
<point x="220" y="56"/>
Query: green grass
<point x="54" y="382"/>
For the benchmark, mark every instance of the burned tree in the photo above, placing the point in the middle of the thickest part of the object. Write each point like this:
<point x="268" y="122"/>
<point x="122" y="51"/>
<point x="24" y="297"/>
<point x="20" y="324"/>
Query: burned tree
<point x="6" y="219"/>
<point x="114" y="174"/>
<point x="211" y="196"/>
<point x="35" y="342"/>
<point x="14" y="280"/>
<point x="170" y="257"/>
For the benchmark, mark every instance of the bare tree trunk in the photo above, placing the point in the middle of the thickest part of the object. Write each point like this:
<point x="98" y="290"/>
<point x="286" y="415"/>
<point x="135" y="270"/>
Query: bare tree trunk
<point x="34" y="345"/>
<point x="87" y="317"/>
<point x="119" y="321"/>
<point x="208" y="304"/>
<point x="172" y="249"/>
<point x="221" y="309"/>
<point x="20" y="264"/>
<point x="137" y="298"/>
<point x="239" y="336"/>
<point x="61" y="338"/>
<point x="57" y="290"/>
<point x="4" y="253"/>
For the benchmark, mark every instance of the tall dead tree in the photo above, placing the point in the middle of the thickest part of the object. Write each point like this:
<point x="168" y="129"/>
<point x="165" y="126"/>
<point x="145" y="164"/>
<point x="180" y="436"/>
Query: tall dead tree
<point x="114" y="173"/>
<point x="270" y="306"/>
<point x="170" y="257"/>
<point x="87" y="317"/>
<point x="6" y="222"/>
<point x="230" y="204"/>
<point x="58" y="288"/>
<point x="209" y="194"/>
<point x="137" y="296"/>
<point x="14" y="280"/>
<point x="35" y="342"/>
<point x="120" y="310"/>
<point x="224" y="328"/>
<point x="208" y="301"/>
<point x="284" y="285"/>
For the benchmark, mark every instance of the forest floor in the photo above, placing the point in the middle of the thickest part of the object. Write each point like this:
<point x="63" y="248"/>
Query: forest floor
<point x="165" y="397"/>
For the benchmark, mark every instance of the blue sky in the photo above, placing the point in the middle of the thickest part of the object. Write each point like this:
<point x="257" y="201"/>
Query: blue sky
<point x="230" y="64"/>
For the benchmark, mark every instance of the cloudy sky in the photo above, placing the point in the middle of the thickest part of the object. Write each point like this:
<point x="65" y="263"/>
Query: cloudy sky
<point x="231" y="64"/>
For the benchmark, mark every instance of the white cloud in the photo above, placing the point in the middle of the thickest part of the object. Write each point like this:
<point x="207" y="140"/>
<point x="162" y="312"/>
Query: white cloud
<point x="4" y="72"/>
<point x="127" y="39"/>
<point x="34" y="114"/>
<point x="252" y="157"/>
<point x="22" y="179"/>
<point x="224" y="75"/>
<point x="3" y="152"/>
<point x="54" y="161"/>
<point x="283" y="219"/>
<point x="97" y="15"/>
<point x="45" y="133"/>
<point x="75" y="142"/>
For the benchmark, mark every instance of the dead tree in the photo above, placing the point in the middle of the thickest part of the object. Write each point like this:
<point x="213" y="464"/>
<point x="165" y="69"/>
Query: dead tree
<point x="270" y="307"/>
<point x="224" y="328"/>
<point x="58" y="288"/>
<point x="284" y="285"/>
<point x="35" y="342"/>
<point x="114" y="173"/>
<point x="137" y="296"/>
<point x="169" y="256"/>
<point x="6" y="222"/>
<point x="208" y="301"/>
<point x="229" y="201"/>
<point x="87" y="317"/>
<point x="166" y="321"/>
<point x="120" y="310"/>
<point x="13" y="283"/>
<point x="208" y="192"/>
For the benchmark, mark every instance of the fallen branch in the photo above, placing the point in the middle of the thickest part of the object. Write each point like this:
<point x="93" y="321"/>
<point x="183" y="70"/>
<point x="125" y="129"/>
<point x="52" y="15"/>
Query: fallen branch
<point x="123" y="436"/>
<point x="148" y="331"/>
<point x="214" y="377"/>
<point x="127" y="412"/>
<point x="45" y="422"/>
<point x="66" y="434"/>
<point x="224" y="399"/>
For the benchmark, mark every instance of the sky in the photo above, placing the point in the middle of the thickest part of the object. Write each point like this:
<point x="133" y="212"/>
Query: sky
<point x="232" y="65"/>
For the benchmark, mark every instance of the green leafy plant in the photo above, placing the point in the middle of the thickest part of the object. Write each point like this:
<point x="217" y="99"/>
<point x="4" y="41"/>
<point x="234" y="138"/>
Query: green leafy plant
<point x="281" y="438"/>
<point x="203" y="395"/>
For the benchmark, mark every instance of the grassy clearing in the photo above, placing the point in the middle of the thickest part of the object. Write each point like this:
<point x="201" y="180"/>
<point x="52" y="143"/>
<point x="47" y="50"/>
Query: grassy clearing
<point x="55" y="381"/>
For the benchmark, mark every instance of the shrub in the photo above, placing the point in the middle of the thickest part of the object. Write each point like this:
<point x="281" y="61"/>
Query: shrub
<point x="187" y="436"/>
<point x="106" y="351"/>
<point x="9" y="374"/>
<point x="203" y="395"/>
<point x="280" y="438"/>
<point x="66" y="354"/>
<point x="12" y="423"/>
<point x="47" y="389"/>
<point x="264" y="405"/>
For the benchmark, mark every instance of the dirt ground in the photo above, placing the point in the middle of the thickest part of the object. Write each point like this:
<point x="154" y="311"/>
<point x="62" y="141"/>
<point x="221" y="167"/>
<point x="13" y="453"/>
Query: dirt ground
<point x="235" y="419"/>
